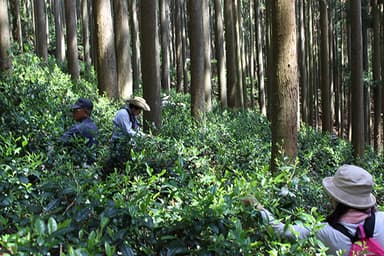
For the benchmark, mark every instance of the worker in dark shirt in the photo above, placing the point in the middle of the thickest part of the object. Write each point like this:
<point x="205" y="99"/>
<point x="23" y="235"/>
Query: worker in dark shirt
<point x="84" y="128"/>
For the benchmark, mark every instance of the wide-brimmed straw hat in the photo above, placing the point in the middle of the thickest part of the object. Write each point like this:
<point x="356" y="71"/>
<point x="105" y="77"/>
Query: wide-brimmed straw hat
<point x="352" y="186"/>
<point x="139" y="102"/>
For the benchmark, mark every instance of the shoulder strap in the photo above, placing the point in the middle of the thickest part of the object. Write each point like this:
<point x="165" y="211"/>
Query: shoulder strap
<point x="345" y="231"/>
<point x="133" y="119"/>
<point x="369" y="227"/>
<point x="131" y="116"/>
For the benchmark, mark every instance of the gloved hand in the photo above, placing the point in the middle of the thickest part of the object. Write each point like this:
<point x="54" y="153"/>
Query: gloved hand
<point x="252" y="201"/>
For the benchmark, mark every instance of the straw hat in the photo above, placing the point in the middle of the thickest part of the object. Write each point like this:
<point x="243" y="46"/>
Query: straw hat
<point x="352" y="186"/>
<point x="139" y="102"/>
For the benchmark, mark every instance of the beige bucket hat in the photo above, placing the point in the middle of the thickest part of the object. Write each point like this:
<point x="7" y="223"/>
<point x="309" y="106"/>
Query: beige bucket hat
<point x="139" y="102"/>
<point x="352" y="186"/>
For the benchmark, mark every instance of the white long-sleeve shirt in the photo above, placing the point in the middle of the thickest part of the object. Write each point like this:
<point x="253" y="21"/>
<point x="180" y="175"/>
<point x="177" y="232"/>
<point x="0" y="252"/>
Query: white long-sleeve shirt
<point x="123" y="126"/>
<point x="332" y="238"/>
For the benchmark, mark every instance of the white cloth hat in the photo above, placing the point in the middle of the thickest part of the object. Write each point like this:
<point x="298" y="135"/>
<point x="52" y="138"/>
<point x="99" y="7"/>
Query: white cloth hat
<point x="352" y="186"/>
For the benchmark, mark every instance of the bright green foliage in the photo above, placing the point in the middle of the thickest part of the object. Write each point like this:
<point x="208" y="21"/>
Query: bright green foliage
<point x="180" y="194"/>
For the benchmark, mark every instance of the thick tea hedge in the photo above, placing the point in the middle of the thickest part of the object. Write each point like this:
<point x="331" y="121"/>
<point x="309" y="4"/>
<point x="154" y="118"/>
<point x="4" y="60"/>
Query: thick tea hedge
<point x="180" y="194"/>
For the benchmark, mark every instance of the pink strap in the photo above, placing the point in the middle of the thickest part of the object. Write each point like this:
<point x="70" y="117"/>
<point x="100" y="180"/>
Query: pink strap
<point x="362" y="231"/>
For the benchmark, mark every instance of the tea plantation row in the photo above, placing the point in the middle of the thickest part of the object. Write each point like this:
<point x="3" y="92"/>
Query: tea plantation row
<point x="179" y="195"/>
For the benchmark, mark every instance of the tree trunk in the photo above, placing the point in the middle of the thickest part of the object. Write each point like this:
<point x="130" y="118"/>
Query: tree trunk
<point x="357" y="79"/>
<point x="86" y="43"/>
<point x="335" y="70"/>
<point x="239" y="101"/>
<point x="184" y="46"/>
<point x="251" y="53"/>
<point x="28" y="25"/>
<point x="326" y="112"/>
<point x="16" y="23"/>
<point x="344" y="63"/>
<point x="150" y="62"/>
<point x="123" y="43"/>
<point x="285" y="82"/>
<point x="309" y="62"/>
<point x="41" y="42"/>
<point x="366" y="23"/>
<point x="269" y="54"/>
<point x="59" y="29"/>
<point x="93" y="34"/>
<point x="207" y="57"/>
<point x="382" y="69"/>
<point x="72" y="52"/>
<point x="179" y="56"/>
<point x="302" y="65"/>
<point x="330" y="65"/>
<point x="164" y="23"/>
<point x="220" y="56"/>
<point x="376" y="68"/>
<point x="5" y="40"/>
<point x="106" y="53"/>
<point x="230" y="39"/>
<point x="136" y="67"/>
<point x="196" y="37"/>
<point x="260" y="59"/>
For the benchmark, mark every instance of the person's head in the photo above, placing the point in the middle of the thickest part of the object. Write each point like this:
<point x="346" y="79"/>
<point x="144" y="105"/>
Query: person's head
<point x="137" y="105"/>
<point x="82" y="109"/>
<point x="350" y="188"/>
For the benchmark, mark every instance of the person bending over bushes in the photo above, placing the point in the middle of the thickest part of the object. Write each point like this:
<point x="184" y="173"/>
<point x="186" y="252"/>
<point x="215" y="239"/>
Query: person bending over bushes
<point x="350" y="191"/>
<point x="125" y="128"/>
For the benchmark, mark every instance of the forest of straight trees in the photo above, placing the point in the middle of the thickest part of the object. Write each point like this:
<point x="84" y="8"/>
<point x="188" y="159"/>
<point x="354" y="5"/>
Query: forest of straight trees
<point x="313" y="62"/>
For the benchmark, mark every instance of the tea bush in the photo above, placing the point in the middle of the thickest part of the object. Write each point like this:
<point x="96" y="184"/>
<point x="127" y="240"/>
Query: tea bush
<point x="180" y="193"/>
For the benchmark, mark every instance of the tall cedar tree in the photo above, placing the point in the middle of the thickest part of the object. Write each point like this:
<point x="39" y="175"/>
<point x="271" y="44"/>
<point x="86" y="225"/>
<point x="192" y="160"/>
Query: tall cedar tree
<point x="220" y="53"/>
<point x="196" y="37"/>
<point x="164" y="22"/>
<point x="59" y="31"/>
<point x="72" y="52"/>
<point x="357" y="79"/>
<point x="122" y="41"/>
<point x="284" y="98"/>
<point x="106" y="54"/>
<point x="5" y="41"/>
<point x="150" y="64"/>
<point x="325" y="76"/>
<point x="41" y="42"/>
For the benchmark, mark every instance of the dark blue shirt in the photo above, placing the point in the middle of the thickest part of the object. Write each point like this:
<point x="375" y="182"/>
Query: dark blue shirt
<point x="86" y="128"/>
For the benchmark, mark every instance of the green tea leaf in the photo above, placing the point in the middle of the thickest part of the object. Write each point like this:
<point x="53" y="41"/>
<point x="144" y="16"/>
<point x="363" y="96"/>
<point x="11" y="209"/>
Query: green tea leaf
<point x="52" y="225"/>
<point x="39" y="226"/>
